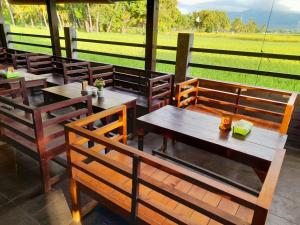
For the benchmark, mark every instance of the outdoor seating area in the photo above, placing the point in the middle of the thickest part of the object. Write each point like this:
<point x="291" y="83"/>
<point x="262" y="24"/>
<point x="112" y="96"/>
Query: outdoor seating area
<point x="86" y="143"/>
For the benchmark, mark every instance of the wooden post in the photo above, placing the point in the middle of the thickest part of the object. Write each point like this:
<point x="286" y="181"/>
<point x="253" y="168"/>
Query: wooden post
<point x="53" y="26"/>
<point x="4" y="37"/>
<point x="70" y="34"/>
<point x="151" y="34"/>
<point x="184" y="56"/>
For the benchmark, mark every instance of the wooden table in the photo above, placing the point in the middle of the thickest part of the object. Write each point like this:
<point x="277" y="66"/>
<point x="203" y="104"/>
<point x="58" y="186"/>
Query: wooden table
<point x="202" y="130"/>
<point x="110" y="99"/>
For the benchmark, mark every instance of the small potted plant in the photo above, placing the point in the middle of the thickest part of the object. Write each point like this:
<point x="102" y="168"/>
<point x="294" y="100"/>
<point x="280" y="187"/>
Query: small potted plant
<point x="99" y="84"/>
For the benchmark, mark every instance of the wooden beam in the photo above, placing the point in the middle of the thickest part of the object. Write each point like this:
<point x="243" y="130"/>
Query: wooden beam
<point x="184" y="56"/>
<point x="70" y="34"/>
<point x="151" y="34"/>
<point x="4" y="37"/>
<point x="53" y="26"/>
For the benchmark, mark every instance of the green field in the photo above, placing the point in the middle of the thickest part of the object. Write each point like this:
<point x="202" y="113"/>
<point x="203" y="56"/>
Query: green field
<point x="275" y="43"/>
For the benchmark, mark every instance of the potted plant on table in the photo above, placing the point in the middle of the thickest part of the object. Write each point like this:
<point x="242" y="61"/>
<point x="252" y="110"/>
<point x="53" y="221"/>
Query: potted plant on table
<point x="99" y="84"/>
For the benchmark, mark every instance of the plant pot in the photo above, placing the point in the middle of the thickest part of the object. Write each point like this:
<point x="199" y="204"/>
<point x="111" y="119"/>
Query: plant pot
<point x="100" y="94"/>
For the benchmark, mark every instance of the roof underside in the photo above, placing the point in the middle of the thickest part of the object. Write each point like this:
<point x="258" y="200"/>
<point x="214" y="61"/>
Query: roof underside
<point x="39" y="2"/>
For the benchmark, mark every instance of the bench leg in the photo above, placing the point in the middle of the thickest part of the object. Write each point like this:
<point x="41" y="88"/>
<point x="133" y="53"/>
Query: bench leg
<point x="75" y="201"/>
<point x="141" y="135"/>
<point x="45" y="175"/>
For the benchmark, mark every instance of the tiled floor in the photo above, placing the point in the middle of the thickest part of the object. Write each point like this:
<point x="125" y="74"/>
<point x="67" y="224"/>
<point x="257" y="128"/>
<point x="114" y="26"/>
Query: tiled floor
<point x="22" y="201"/>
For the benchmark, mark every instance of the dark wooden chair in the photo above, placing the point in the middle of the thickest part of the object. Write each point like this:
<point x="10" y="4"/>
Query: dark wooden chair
<point x="3" y="55"/>
<point x="14" y="88"/>
<point x="19" y="59"/>
<point x="152" y="89"/>
<point x="148" y="190"/>
<point x="105" y="72"/>
<point x="40" y="64"/>
<point x="76" y="72"/>
<point x="31" y="130"/>
<point x="269" y="108"/>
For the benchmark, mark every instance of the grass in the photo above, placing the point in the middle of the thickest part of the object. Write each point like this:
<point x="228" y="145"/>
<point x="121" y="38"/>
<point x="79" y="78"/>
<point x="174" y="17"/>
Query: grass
<point x="274" y="43"/>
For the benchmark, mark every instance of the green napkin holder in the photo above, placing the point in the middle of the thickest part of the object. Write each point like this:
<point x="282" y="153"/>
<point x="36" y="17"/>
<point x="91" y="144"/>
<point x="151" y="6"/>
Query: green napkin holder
<point x="242" y="127"/>
<point x="11" y="75"/>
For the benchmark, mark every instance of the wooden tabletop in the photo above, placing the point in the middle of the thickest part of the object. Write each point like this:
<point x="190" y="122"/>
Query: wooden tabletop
<point x="260" y="143"/>
<point x="73" y="90"/>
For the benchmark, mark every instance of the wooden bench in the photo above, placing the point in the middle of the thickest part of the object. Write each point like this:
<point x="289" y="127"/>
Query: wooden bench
<point x="148" y="190"/>
<point x="19" y="59"/>
<point x="264" y="107"/>
<point x="32" y="131"/>
<point x="152" y="89"/>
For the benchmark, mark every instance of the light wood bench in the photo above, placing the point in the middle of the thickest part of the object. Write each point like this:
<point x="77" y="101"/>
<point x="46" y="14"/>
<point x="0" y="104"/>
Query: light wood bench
<point x="264" y="107"/>
<point x="148" y="190"/>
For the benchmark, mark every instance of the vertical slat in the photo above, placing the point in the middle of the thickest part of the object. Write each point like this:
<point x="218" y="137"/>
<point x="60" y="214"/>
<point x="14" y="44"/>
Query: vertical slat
<point x="136" y="166"/>
<point x="151" y="34"/>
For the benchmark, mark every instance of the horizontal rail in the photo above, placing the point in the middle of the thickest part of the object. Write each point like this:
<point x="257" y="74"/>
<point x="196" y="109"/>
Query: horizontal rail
<point x="110" y="42"/>
<point x="110" y="54"/>
<point x="31" y="35"/>
<point x="30" y="44"/>
<point x="249" y="54"/>
<point x="170" y="48"/>
<point x="246" y="71"/>
<point x="162" y="61"/>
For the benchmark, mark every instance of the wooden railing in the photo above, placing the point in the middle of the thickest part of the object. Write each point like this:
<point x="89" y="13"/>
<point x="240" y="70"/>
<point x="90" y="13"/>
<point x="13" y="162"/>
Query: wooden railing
<point x="190" y="50"/>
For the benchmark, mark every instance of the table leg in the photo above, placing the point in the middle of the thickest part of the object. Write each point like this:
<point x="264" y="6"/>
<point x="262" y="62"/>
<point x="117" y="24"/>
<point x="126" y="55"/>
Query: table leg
<point x="134" y="119"/>
<point x="141" y="134"/>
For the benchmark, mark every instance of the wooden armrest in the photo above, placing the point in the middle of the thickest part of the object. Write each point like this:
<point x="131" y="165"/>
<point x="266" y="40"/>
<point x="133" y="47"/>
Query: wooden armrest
<point x="66" y="103"/>
<point x="292" y="99"/>
<point x="161" y="78"/>
<point x="193" y="81"/>
<point x="269" y="186"/>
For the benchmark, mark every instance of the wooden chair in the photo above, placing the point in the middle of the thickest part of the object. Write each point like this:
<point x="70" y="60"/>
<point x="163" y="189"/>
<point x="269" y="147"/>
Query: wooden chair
<point x="152" y="89"/>
<point x="104" y="72"/>
<point x="40" y="64"/>
<point x="19" y="60"/>
<point x="13" y="87"/>
<point x="147" y="190"/>
<point x="33" y="132"/>
<point x="264" y="107"/>
<point x="76" y="72"/>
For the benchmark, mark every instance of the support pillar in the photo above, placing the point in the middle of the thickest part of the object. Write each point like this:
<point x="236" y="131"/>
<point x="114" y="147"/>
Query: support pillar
<point x="4" y="37"/>
<point x="184" y="56"/>
<point x="151" y="34"/>
<point x="71" y="44"/>
<point x="53" y="26"/>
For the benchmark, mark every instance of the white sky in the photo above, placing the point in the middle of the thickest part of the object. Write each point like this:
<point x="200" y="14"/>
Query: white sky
<point x="239" y="5"/>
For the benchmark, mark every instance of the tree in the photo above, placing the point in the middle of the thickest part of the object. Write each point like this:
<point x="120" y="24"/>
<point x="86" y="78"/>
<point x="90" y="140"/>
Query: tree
<point x="237" y="25"/>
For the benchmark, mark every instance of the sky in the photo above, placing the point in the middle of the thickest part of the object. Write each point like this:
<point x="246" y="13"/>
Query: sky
<point x="239" y="5"/>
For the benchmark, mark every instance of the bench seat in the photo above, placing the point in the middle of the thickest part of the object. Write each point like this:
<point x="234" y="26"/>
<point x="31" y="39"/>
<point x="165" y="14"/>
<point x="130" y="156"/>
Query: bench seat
<point x="148" y="215"/>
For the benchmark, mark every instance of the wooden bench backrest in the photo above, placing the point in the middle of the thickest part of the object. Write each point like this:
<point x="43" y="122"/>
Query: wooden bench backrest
<point x="40" y="64"/>
<point x="13" y="87"/>
<point x="74" y="72"/>
<point x="104" y="72"/>
<point x="20" y="59"/>
<point x="266" y="106"/>
<point x="79" y="152"/>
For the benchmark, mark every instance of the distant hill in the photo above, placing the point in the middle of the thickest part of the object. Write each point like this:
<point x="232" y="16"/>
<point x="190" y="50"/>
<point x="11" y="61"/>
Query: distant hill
<point x="279" y="20"/>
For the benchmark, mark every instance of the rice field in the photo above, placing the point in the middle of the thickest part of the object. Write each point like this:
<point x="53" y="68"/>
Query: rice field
<point x="274" y="43"/>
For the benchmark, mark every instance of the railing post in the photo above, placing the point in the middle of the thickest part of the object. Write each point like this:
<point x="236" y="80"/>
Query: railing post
<point x="4" y="37"/>
<point x="184" y="56"/>
<point x="71" y="44"/>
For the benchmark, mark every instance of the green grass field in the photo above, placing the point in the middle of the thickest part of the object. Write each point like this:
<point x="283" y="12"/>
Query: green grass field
<point x="275" y="43"/>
